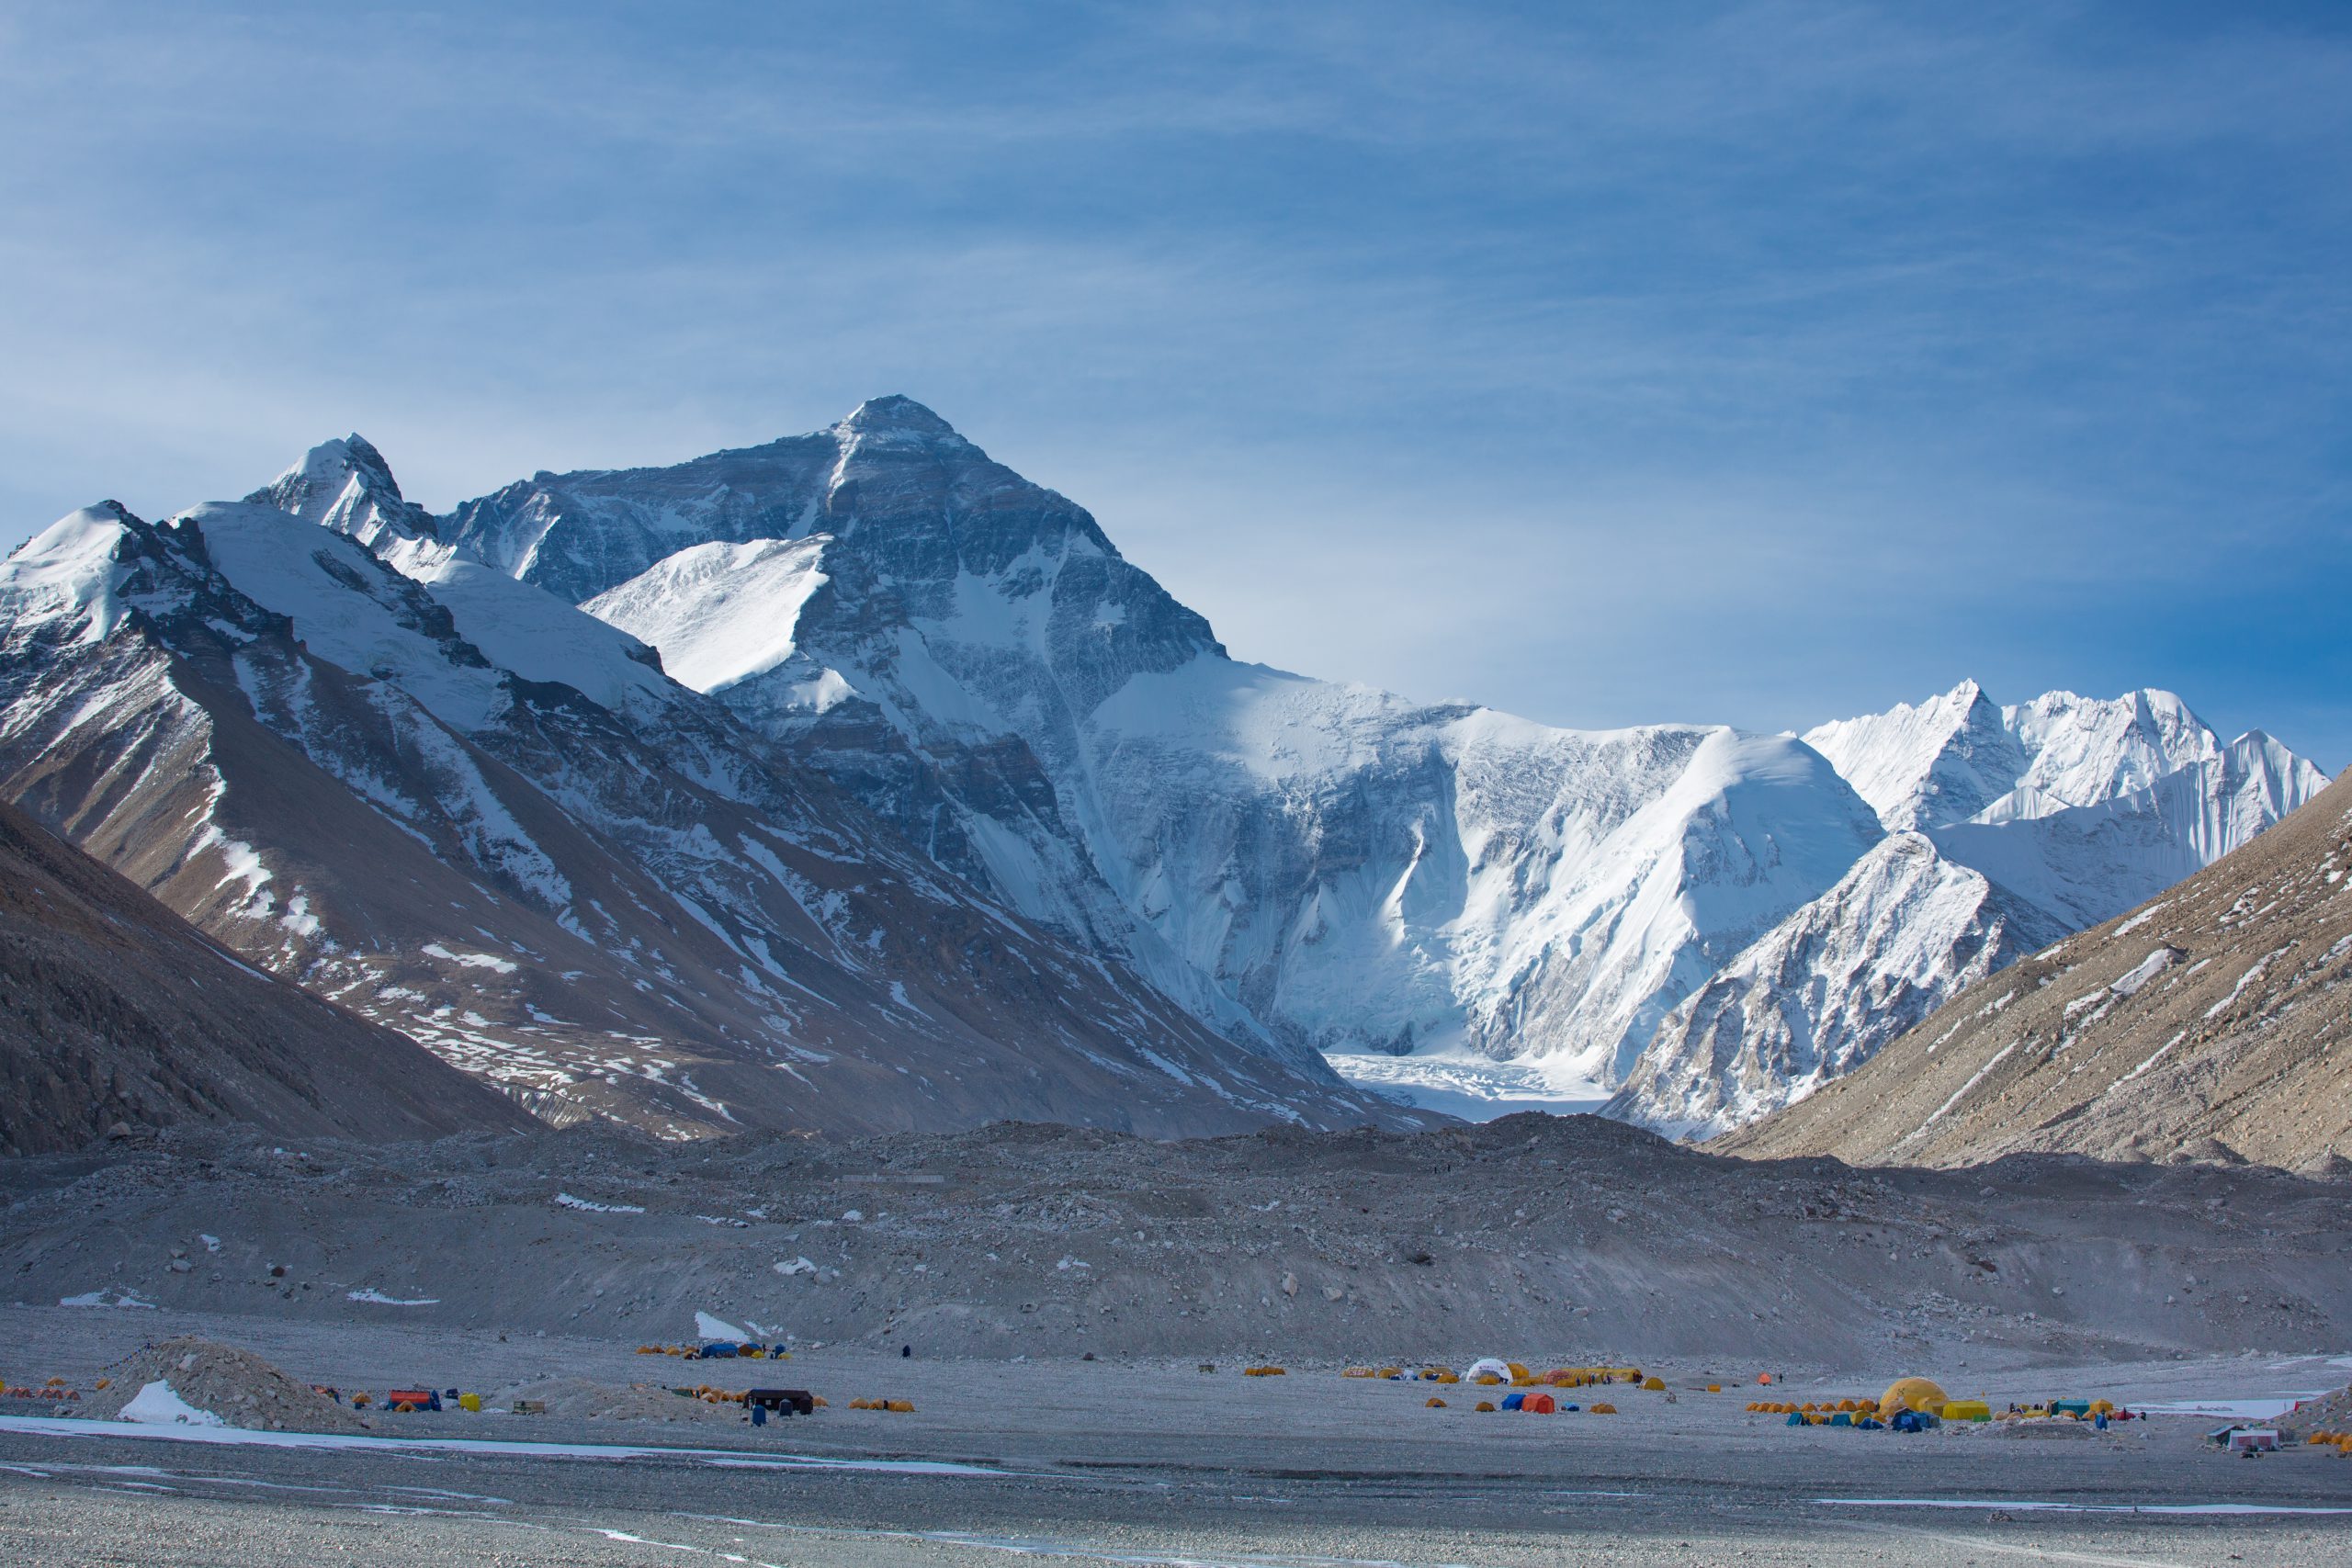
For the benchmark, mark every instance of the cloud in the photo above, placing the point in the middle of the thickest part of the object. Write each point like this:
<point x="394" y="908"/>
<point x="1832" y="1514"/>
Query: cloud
<point x="1747" y="361"/>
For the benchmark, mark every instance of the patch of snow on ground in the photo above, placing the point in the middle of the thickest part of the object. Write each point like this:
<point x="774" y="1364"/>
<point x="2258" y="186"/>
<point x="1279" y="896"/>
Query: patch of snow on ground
<point x="711" y="1327"/>
<point x="157" y="1405"/>
<point x="2156" y="963"/>
<point x="567" y="1201"/>
<point x="379" y="1299"/>
<point x="2266" y="1408"/>
<point x="470" y="960"/>
<point x="104" y="1299"/>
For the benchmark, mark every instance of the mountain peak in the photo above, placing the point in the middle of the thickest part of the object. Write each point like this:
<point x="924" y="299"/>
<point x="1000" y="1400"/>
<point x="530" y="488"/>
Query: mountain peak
<point x="345" y="485"/>
<point x="895" y="414"/>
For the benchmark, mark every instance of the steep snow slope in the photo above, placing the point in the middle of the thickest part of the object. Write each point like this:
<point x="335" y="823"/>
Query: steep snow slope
<point x="723" y="612"/>
<point x="630" y="909"/>
<point x="1943" y="760"/>
<point x="2086" y="861"/>
<point x="1813" y="999"/>
<point x="1958" y="758"/>
<point x="347" y="486"/>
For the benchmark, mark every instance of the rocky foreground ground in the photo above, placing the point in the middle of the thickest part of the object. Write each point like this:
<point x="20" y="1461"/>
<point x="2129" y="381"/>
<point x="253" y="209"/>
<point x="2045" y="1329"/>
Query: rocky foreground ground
<point x="1069" y="1313"/>
<point x="1566" y="1240"/>
<point x="1123" y="1459"/>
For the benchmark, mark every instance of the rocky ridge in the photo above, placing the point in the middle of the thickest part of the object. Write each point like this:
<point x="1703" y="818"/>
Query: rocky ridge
<point x="472" y="813"/>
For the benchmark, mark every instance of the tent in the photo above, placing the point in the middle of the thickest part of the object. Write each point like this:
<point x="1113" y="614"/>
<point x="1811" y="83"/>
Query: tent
<point x="1489" y="1367"/>
<point x="1911" y="1393"/>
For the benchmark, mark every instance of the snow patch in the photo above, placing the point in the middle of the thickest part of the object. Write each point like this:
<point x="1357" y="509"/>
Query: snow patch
<point x="567" y="1201"/>
<point x="158" y="1405"/>
<point x="470" y="960"/>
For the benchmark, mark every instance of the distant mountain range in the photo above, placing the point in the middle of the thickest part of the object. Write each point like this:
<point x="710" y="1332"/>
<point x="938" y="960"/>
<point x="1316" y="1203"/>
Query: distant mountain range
<point x="854" y="780"/>
<point x="2006" y="829"/>
<point x="2209" y="1023"/>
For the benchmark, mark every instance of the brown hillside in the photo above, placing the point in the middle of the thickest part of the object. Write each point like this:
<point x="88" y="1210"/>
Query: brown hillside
<point x="113" y="1009"/>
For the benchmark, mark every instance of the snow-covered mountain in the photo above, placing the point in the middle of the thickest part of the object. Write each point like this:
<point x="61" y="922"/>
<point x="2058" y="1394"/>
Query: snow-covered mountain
<point x="2013" y="827"/>
<point x="2205" y="1024"/>
<point x="468" y="810"/>
<point x="347" y="486"/>
<point x="971" y="655"/>
<point x="1702" y="921"/>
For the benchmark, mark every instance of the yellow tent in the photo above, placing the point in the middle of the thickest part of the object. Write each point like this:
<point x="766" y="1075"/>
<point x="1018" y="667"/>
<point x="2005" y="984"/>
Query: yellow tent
<point x="1911" y="1393"/>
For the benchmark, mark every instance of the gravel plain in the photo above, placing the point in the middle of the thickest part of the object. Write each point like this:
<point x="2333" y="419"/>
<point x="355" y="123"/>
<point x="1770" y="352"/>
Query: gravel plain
<point x="1059" y="1293"/>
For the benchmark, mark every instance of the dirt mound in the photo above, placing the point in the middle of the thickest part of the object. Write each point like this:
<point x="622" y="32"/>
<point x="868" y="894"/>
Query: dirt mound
<point x="2333" y="1414"/>
<point x="1565" y="1240"/>
<point x="581" y="1400"/>
<point x="236" y="1386"/>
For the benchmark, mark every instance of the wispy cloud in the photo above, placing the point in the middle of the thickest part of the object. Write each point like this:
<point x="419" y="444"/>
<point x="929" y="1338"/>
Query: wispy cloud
<point x="1749" y="361"/>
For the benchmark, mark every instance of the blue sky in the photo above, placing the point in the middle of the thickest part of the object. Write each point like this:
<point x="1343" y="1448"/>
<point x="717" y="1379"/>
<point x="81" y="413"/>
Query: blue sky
<point x="1757" y="363"/>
